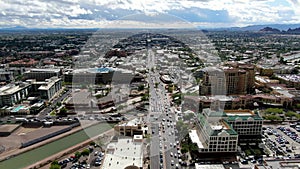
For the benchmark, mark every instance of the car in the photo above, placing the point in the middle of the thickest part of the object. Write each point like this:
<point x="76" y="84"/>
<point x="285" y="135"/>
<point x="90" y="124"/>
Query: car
<point x="172" y="162"/>
<point x="171" y="154"/>
<point x="97" y="163"/>
<point x="244" y="162"/>
<point x="96" y="153"/>
<point x="253" y="161"/>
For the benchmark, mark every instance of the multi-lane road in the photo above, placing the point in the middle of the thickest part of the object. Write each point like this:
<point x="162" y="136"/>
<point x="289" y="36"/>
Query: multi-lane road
<point x="164" y="143"/>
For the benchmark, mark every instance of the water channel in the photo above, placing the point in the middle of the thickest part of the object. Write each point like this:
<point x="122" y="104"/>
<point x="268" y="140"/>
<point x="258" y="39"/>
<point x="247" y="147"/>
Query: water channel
<point x="35" y="155"/>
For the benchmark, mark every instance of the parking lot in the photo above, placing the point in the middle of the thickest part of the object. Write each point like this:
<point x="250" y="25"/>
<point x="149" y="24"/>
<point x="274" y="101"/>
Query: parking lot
<point x="283" y="141"/>
<point x="93" y="160"/>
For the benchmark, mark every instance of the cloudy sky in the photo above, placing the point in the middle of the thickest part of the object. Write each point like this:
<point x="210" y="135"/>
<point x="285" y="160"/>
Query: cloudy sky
<point x="113" y="13"/>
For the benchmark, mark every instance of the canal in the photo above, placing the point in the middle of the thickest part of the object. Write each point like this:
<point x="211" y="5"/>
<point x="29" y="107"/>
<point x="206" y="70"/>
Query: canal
<point x="35" y="155"/>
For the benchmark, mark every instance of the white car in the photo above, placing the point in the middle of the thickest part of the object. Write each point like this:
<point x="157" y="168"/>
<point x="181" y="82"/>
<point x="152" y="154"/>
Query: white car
<point x="172" y="162"/>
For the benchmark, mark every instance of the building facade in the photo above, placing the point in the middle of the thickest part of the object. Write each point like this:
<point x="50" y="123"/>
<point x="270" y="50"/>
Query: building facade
<point x="246" y="123"/>
<point x="42" y="74"/>
<point x="45" y="89"/>
<point x="230" y="79"/>
<point x="215" y="134"/>
<point x="13" y="93"/>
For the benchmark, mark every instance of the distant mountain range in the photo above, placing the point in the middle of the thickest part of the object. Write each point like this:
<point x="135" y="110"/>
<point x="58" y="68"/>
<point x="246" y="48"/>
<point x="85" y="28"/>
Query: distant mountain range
<point x="269" y="29"/>
<point x="274" y="30"/>
<point x="281" y="27"/>
<point x="252" y="28"/>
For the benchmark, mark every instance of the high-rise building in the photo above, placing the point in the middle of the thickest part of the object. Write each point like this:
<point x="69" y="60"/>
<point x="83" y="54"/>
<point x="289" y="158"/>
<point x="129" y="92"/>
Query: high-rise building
<point x="230" y="79"/>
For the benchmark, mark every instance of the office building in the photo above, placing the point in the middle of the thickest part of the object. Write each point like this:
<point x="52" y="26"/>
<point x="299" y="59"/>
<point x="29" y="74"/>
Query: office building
<point x="101" y="75"/>
<point x="42" y="74"/>
<point x="45" y="89"/>
<point x="229" y="79"/>
<point x="220" y="131"/>
<point x="13" y="93"/>
<point x="214" y="134"/>
<point x="246" y="123"/>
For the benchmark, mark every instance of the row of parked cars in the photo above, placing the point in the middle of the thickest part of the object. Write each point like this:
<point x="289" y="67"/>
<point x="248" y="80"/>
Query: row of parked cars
<point x="99" y="158"/>
<point x="290" y="133"/>
<point x="277" y="149"/>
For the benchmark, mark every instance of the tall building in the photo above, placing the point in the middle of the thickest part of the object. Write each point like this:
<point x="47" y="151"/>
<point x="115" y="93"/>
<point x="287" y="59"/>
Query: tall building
<point x="230" y="79"/>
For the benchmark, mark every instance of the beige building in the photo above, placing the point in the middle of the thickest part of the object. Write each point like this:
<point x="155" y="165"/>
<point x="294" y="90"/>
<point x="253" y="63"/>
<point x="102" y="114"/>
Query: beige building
<point x="130" y="128"/>
<point x="230" y="79"/>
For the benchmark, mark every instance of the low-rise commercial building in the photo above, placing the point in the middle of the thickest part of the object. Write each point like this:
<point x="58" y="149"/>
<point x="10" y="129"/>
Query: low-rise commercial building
<point x="124" y="153"/>
<point x="130" y="128"/>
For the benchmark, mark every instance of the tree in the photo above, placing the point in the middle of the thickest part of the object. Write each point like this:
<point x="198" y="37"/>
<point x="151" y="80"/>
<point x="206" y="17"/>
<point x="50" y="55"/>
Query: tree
<point x="55" y="165"/>
<point x="145" y="97"/>
<point x="85" y="152"/>
<point x="63" y="110"/>
<point x="273" y="118"/>
<point x="58" y="104"/>
<point x="295" y="71"/>
<point x="182" y="129"/>
<point x="281" y="60"/>
<point x="141" y="87"/>
<point x="77" y="154"/>
<point x="274" y="111"/>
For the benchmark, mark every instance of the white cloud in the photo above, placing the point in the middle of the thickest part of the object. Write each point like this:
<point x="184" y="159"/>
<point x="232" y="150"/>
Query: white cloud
<point x="66" y="13"/>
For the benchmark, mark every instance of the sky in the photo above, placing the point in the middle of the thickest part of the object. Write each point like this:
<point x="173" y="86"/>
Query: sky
<point x="146" y="13"/>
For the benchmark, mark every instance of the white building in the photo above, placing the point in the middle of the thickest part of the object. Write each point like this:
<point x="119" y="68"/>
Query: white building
<point x="12" y="93"/>
<point x="125" y="153"/>
<point x="214" y="133"/>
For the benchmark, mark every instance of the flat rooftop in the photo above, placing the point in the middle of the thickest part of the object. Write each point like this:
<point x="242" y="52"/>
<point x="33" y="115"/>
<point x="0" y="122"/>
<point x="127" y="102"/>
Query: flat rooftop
<point x="123" y="153"/>
<point x="195" y="138"/>
<point x="209" y="166"/>
<point x="133" y="122"/>
<point x="238" y="112"/>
